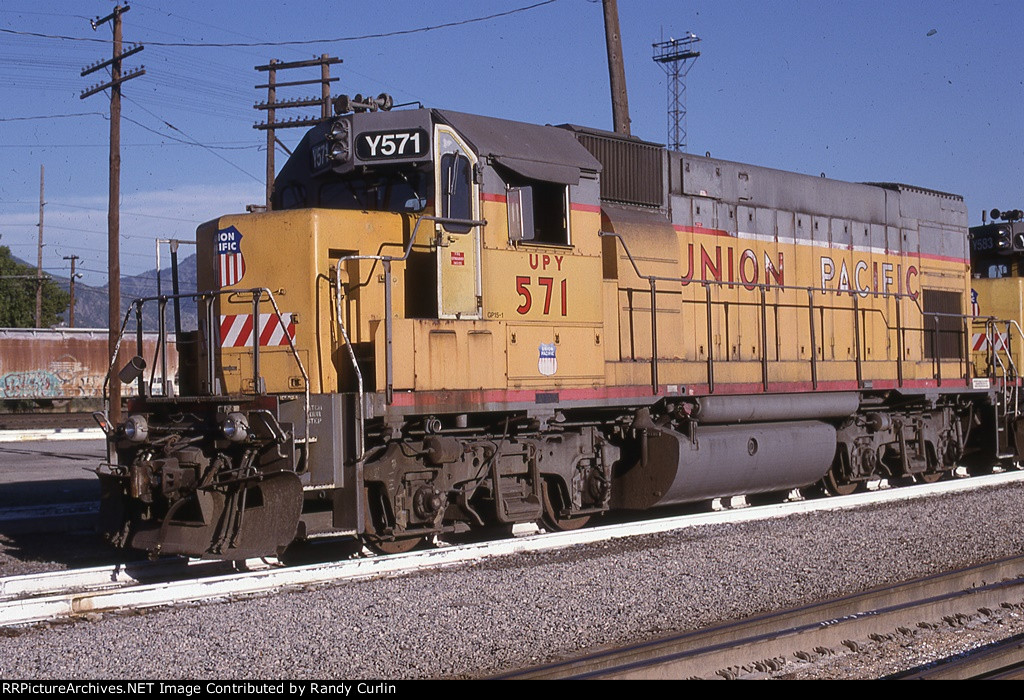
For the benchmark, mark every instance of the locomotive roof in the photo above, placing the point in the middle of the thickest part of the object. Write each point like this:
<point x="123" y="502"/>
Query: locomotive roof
<point x="538" y="152"/>
<point x="900" y="187"/>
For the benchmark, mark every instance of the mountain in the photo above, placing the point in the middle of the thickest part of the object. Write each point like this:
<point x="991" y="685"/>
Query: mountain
<point x="91" y="303"/>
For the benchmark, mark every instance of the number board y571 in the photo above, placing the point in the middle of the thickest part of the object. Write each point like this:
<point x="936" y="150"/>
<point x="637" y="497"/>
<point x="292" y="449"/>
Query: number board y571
<point x="402" y="143"/>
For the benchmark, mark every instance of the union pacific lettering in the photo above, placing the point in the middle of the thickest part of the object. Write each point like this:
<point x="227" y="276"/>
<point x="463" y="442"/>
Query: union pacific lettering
<point x="891" y="280"/>
<point x="733" y="269"/>
<point x="750" y="269"/>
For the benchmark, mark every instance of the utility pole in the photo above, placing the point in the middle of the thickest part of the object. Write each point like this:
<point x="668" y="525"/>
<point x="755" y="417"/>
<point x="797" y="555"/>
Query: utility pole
<point x="71" y="313"/>
<point x="114" y="196"/>
<point x="616" y="68"/>
<point x="39" y="257"/>
<point x="272" y="104"/>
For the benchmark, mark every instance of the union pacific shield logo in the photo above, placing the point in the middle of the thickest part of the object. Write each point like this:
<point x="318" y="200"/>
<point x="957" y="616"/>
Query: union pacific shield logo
<point x="547" y="363"/>
<point x="230" y="263"/>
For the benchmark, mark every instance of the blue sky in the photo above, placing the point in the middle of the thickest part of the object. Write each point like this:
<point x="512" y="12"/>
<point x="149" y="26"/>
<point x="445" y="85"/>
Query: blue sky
<point x="927" y="93"/>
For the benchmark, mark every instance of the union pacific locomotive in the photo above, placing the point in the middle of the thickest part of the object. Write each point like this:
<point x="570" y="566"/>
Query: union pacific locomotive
<point x="449" y="322"/>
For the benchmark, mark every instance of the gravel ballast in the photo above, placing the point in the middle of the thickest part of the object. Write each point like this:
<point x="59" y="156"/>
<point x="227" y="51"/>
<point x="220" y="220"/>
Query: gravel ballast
<point x="503" y="614"/>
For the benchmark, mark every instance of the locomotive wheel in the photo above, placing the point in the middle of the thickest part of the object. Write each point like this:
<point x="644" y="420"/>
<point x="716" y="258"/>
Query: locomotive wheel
<point x="376" y="514"/>
<point x="552" y="502"/>
<point x="396" y="546"/>
<point x="930" y="477"/>
<point x="835" y="486"/>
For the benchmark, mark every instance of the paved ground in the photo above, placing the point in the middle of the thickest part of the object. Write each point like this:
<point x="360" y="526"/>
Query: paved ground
<point x="51" y="471"/>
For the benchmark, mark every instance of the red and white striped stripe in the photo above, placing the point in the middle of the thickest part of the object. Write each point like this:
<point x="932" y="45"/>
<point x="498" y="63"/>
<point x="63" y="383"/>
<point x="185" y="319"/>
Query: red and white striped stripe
<point x="236" y="330"/>
<point x="979" y="341"/>
<point x="232" y="268"/>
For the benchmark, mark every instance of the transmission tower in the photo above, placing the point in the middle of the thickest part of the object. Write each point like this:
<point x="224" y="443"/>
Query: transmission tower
<point x="676" y="57"/>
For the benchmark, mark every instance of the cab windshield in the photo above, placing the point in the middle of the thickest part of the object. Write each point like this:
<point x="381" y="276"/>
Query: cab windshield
<point x="394" y="189"/>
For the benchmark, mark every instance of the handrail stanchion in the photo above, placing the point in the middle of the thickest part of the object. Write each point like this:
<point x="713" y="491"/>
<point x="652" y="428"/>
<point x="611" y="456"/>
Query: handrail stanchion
<point x="389" y="369"/>
<point x="899" y="342"/>
<point x="256" y="332"/>
<point x="764" y="341"/>
<point x="139" y="350"/>
<point x="856" y="339"/>
<point x="213" y="336"/>
<point x="814" y="338"/>
<point x="711" y="340"/>
<point x="654" y="337"/>
<point x="968" y="366"/>
<point x="161" y="349"/>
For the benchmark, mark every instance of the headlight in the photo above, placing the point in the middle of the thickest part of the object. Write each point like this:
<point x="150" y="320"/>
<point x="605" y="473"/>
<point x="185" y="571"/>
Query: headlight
<point x="136" y="428"/>
<point x="235" y="427"/>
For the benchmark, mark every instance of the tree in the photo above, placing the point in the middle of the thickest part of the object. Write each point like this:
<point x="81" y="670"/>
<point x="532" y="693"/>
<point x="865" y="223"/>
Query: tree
<point x="18" y="295"/>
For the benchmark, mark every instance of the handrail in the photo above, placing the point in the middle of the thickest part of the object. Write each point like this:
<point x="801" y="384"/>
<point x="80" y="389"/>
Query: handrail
<point x="386" y="261"/>
<point x="997" y="346"/>
<point x="995" y="343"/>
<point x="207" y="298"/>
<point x="1013" y="365"/>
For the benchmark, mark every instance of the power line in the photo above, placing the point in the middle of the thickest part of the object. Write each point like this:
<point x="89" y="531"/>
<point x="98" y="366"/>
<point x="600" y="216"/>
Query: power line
<point x="182" y="141"/>
<point x="44" y="14"/>
<point x="52" y="116"/>
<point x="128" y="213"/>
<point x="84" y="230"/>
<point x="303" y="42"/>
<point x="197" y="143"/>
<point x="132" y="145"/>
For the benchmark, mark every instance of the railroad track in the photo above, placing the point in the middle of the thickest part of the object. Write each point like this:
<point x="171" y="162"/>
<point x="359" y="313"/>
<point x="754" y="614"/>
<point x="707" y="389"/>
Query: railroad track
<point x="48" y="420"/>
<point x="772" y="643"/>
<point x="1002" y="660"/>
<point x="55" y="594"/>
<point x="49" y="518"/>
<point x="31" y="599"/>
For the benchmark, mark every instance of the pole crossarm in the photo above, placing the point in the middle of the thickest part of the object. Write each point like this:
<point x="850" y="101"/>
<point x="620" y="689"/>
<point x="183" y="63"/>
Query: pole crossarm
<point x="123" y="79"/>
<point x="272" y="104"/>
<point x="111" y="61"/>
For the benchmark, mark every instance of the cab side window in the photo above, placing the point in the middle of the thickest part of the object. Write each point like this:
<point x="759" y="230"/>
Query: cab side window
<point x="538" y="212"/>
<point x="456" y="190"/>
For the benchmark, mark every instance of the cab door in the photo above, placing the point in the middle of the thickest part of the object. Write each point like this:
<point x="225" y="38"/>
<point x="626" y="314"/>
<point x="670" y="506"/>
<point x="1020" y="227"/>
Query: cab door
<point x="458" y="246"/>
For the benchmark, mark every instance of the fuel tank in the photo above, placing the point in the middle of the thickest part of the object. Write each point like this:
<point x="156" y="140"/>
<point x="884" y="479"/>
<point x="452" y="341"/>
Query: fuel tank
<point x="723" y="460"/>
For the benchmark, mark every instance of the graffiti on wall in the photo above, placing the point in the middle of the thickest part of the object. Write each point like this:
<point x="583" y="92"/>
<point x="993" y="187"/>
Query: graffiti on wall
<point x="64" y="378"/>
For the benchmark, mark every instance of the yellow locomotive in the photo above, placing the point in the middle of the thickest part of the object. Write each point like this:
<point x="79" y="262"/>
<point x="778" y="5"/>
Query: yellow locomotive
<point x="450" y="321"/>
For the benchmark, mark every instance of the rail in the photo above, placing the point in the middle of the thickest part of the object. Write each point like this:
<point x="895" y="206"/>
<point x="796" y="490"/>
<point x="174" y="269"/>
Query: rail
<point x="205" y="299"/>
<point x="938" y="352"/>
<point x="771" y="642"/>
<point x="385" y="261"/>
